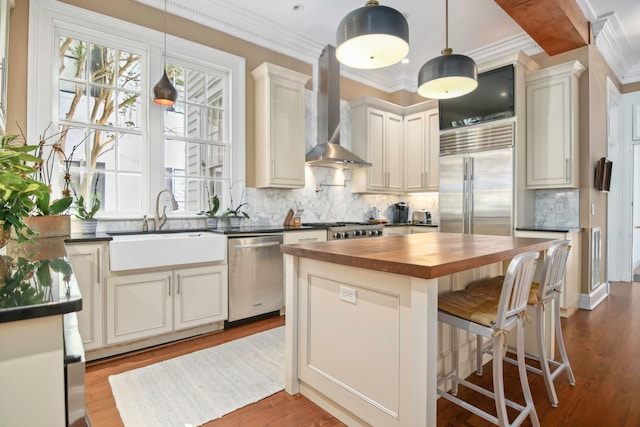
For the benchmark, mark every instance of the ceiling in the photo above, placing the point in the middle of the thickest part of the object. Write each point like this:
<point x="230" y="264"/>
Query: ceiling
<point x="478" y="28"/>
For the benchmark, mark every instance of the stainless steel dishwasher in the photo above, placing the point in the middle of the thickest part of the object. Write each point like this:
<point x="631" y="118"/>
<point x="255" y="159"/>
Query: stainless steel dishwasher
<point x="255" y="276"/>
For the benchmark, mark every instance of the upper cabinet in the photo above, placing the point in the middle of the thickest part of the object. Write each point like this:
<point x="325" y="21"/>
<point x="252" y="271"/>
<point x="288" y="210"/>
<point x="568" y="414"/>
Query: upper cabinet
<point x="280" y="130"/>
<point x="377" y="137"/>
<point x="552" y="126"/>
<point x="421" y="151"/>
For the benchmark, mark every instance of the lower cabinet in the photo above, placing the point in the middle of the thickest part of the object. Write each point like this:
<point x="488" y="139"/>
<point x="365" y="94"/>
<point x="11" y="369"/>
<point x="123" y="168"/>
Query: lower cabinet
<point x="87" y="263"/>
<point x="422" y="229"/>
<point x="395" y="231"/>
<point x="304" y="236"/>
<point x="147" y="304"/>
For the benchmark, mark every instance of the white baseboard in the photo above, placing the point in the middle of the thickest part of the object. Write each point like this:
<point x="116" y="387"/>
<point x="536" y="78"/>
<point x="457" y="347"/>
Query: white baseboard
<point x="592" y="299"/>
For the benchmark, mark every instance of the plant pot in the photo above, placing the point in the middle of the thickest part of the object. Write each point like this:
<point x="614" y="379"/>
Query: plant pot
<point x="88" y="226"/>
<point x="212" y="223"/>
<point x="235" y="221"/>
<point x="49" y="225"/>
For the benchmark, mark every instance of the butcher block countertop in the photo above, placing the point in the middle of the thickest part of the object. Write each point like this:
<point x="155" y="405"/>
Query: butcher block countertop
<point x="427" y="255"/>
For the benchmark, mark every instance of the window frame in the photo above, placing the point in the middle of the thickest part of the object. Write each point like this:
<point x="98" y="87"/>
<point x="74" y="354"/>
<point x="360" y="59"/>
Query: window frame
<point x="48" y="17"/>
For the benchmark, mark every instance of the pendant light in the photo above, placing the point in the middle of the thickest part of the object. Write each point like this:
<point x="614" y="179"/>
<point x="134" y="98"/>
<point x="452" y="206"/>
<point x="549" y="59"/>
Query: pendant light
<point x="372" y="37"/>
<point x="449" y="75"/>
<point x="163" y="92"/>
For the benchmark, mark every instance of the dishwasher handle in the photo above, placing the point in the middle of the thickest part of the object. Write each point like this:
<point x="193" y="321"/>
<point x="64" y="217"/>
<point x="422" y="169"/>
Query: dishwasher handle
<point x="256" y="245"/>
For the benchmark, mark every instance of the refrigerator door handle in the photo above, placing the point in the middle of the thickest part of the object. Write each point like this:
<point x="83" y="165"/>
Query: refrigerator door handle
<point x="465" y="196"/>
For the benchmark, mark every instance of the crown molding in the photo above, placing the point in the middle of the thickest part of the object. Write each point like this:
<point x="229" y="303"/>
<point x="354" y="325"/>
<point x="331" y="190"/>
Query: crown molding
<point x="615" y="48"/>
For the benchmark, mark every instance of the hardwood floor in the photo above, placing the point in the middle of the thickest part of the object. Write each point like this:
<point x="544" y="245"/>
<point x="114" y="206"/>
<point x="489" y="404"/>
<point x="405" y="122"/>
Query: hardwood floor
<point x="602" y="346"/>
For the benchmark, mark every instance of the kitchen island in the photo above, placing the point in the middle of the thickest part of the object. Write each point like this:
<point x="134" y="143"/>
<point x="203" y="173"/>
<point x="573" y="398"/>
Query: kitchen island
<point x="361" y="329"/>
<point x="39" y="298"/>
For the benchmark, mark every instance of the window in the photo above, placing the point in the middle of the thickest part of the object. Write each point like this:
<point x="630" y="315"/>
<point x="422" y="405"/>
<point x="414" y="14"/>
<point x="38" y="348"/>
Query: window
<point x="101" y="122"/>
<point x="127" y="148"/>
<point x="196" y="144"/>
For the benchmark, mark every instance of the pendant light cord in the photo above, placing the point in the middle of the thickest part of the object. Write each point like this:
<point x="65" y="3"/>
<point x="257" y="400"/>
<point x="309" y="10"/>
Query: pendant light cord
<point x="446" y="24"/>
<point x="164" y="50"/>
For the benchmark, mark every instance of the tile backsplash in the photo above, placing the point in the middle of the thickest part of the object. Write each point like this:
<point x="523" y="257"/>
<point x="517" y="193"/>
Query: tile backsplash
<point x="557" y="208"/>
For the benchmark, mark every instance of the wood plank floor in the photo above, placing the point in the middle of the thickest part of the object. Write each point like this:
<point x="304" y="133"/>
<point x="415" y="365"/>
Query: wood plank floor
<point x="602" y="345"/>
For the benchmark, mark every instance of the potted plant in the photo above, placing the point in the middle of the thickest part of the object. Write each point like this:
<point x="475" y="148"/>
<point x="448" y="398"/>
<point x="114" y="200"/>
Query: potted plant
<point x="18" y="189"/>
<point x="235" y="215"/>
<point x="85" y="213"/>
<point x="214" y="205"/>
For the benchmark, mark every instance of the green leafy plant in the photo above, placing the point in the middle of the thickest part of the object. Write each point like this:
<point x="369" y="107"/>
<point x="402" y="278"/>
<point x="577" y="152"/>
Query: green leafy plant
<point x="213" y="203"/>
<point x="231" y="211"/>
<point x="19" y="191"/>
<point x="85" y="211"/>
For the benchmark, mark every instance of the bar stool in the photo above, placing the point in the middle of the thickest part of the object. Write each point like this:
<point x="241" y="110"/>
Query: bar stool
<point x="492" y="318"/>
<point x="553" y="273"/>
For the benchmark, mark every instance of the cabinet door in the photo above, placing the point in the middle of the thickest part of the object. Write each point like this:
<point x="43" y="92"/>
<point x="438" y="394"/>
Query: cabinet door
<point x="420" y="229"/>
<point x="308" y="236"/>
<point x="86" y="260"/>
<point x="376" y="149"/>
<point x="549" y="133"/>
<point x="139" y="306"/>
<point x="394" y="231"/>
<point x="394" y="153"/>
<point x="432" y="135"/>
<point x="200" y="296"/>
<point x="280" y="127"/>
<point x="414" y="146"/>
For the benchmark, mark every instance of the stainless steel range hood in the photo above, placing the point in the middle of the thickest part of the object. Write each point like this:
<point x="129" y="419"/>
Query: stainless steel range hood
<point x="329" y="152"/>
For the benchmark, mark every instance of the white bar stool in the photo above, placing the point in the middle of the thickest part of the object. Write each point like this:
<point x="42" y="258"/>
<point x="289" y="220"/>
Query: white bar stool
<point x="492" y="318"/>
<point x="553" y="273"/>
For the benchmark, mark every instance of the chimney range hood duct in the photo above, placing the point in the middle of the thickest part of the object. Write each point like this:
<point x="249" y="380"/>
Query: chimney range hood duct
<point x="329" y="152"/>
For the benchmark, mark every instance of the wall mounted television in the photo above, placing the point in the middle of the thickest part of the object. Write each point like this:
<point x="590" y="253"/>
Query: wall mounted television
<point x="493" y="99"/>
<point x="602" y="174"/>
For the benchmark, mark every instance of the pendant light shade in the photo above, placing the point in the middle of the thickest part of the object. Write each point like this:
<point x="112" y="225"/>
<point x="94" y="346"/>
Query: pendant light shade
<point x="163" y="92"/>
<point x="449" y="75"/>
<point x="372" y="37"/>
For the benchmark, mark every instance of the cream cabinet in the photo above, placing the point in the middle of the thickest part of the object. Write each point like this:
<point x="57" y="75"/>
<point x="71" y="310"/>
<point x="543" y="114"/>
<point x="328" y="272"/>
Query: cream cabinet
<point x="377" y="137"/>
<point x="148" y="304"/>
<point x="570" y="294"/>
<point x="304" y="236"/>
<point x="416" y="229"/>
<point x="552" y="126"/>
<point x="280" y="127"/>
<point x="422" y="151"/>
<point x="87" y="261"/>
<point x="395" y="231"/>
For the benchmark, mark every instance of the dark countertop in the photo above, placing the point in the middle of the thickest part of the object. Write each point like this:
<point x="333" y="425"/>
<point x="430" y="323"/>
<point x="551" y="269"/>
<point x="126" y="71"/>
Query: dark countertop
<point x="556" y="229"/>
<point x="37" y="281"/>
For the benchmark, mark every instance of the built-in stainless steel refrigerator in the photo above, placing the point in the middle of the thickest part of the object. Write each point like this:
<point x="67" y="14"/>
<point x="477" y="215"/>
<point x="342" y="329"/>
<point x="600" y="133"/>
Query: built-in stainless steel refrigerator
<point x="476" y="181"/>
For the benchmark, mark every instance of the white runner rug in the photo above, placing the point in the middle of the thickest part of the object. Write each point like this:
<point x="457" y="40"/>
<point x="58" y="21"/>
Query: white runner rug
<point x="204" y="385"/>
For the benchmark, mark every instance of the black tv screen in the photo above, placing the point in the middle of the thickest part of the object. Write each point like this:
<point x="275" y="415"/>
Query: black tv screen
<point x="492" y="100"/>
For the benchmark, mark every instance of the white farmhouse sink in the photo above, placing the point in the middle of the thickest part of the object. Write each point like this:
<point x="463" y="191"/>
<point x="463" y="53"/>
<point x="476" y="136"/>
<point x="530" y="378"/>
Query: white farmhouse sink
<point x="135" y="251"/>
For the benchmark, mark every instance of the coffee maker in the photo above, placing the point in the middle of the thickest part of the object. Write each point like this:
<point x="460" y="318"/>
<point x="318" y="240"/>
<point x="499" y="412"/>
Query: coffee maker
<point x="401" y="213"/>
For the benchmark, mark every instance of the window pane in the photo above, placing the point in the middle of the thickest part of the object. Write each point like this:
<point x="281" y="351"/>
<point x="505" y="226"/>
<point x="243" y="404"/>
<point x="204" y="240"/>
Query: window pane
<point x="129" y="71"/>
<point x="195" y="87"/>
<point x="72" y="101"/>
<point x="174" y="157"/>
<point x="177" y="187"/>
<point x="102" y="65"/>
<point x="215" y="91"/>
<point x="195" y="160"/>
<point x="194" y="122"/>
<point x="129" y="190"/>
<point x="72" y="58"/>
<point x="73" y="144"/>
<point x="176" y="75"/>
<point x="130" y="153"/>
<point x="216" y="161"/>
<point x="101" y="106"/>
<point x="215" y="124"/>
<point x="102" y="151"/>
<point x="129" y="110"/>
<point x="174" y="120"/>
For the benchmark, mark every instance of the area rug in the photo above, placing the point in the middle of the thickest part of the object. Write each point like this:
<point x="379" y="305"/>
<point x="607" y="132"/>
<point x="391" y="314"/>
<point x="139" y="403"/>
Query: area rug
<point x="204" y="385"/>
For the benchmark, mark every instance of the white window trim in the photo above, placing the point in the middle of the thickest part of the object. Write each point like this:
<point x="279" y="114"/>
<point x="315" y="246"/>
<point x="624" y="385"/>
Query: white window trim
<point x="46" y="15"/>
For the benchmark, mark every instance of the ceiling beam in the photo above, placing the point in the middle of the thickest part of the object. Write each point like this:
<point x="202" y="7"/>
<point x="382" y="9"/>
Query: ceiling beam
<point x="556" y="25"/>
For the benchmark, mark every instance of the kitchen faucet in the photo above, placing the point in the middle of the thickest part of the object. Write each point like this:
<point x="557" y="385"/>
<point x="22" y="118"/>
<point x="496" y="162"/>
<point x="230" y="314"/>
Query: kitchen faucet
<point x="160" y="220"/>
